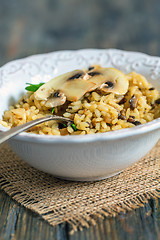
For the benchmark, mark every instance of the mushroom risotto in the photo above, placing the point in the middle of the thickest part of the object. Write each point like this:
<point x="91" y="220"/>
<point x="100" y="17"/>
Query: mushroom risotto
<point x="98" y="100"/>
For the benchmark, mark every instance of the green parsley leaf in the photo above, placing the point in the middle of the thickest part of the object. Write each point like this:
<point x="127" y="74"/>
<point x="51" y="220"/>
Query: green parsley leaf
<point x="74" y="126"/>
<point x="65" y="125"/>
<point x="53" y="110"/>
<point x="33" y="87"/>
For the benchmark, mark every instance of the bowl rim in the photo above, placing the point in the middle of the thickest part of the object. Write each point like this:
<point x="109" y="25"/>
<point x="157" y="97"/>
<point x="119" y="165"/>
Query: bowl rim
<point x="111" y="135"/>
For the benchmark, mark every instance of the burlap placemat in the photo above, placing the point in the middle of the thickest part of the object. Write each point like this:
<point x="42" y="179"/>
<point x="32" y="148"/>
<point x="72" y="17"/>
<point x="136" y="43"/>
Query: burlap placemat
<point x="79" y="203"/>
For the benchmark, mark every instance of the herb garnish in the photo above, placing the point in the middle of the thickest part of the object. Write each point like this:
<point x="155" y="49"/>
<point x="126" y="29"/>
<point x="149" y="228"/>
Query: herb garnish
<point x="33" y="87"/>
<point x="74" y="126"/>
<point x="64" y="124"/>
<point x="53" y="110"/>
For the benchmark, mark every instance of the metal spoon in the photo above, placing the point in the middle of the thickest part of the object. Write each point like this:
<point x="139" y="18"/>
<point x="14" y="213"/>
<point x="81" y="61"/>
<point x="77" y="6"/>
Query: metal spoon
<point x="4" y="136"/>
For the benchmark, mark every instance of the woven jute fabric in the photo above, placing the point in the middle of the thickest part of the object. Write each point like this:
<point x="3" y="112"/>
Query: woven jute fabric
<point x="79" y="203"/>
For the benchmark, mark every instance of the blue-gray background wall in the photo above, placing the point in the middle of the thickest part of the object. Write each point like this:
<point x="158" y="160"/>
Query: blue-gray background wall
<point x="37" y="26"/>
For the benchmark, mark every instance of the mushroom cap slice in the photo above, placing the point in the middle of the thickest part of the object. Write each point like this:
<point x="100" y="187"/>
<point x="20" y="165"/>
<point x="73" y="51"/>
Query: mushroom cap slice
<point x="76" y="89"/>
<point x="56" y="83"/>
<point x="71" y="84"/>
<point x="108" y="80"/>
<point x="95" y="76"/>
<point x="56" y="99"/>
<point x="116" y="81"/>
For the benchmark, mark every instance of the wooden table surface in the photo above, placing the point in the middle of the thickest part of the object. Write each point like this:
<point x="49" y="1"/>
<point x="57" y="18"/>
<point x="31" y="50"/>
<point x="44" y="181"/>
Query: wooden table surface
<point x="31" y="27"/>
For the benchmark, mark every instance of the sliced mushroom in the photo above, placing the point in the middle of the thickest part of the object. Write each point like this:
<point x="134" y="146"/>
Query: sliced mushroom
<point x="122" y="115"/>
<point x="108" y="80"/>
<point x="116" y="81"/>
<point x="90" y="68"/>
<point x="95" y="76"/>
<point x="76" y="89"/>
<point x="50" y="87"/>
<point x="73" y="85"/>
<point x="122" y="101"/>
<point x="133" y="102"/>
<point x="56" y="99"/>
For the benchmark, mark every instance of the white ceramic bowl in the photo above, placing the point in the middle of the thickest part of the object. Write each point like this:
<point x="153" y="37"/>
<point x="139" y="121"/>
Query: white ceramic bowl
<point x="89" y="157"/>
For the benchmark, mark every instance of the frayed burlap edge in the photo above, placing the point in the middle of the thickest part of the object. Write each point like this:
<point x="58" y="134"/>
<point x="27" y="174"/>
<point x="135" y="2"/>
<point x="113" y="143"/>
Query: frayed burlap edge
<point x="85" y="219"/>
<point x="81" y="221"/>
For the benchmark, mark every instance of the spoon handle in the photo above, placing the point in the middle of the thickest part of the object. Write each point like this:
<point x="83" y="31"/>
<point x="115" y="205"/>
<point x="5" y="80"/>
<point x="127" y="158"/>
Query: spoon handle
<point x="4" y="136"/>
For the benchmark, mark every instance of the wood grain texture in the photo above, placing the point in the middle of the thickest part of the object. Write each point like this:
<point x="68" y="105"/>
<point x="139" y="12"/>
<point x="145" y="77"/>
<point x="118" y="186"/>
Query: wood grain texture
<point x="16" y="223"/>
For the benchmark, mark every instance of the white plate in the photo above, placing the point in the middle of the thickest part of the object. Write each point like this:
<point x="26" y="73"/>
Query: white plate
<point x="88" y="157"/>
